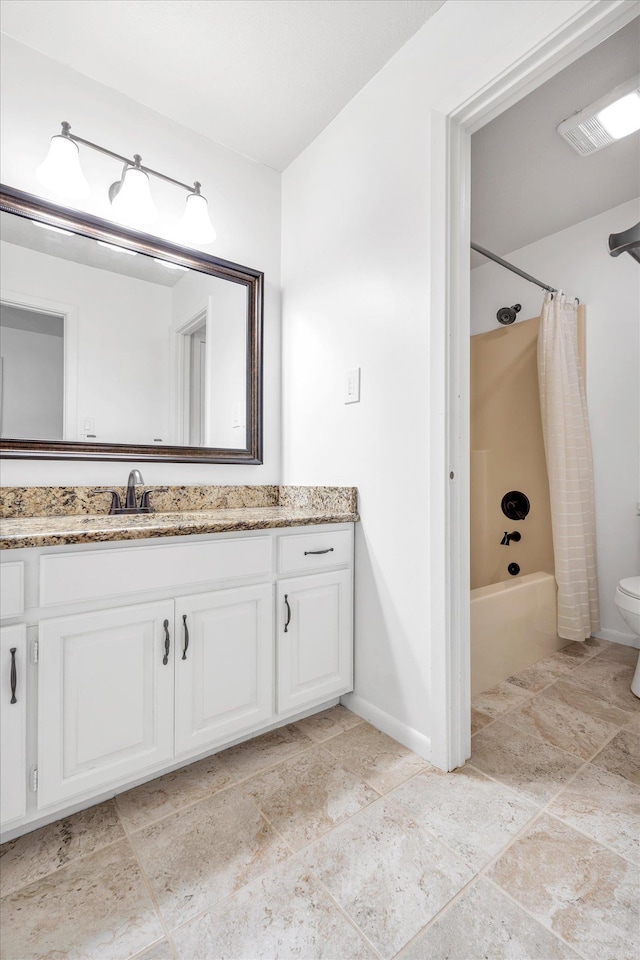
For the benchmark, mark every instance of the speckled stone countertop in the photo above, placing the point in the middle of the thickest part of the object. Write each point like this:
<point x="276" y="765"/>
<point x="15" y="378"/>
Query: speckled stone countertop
<point x="51" y="516"/>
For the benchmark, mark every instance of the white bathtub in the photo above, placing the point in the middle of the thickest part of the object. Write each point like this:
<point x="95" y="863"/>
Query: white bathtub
<point x="513" y="625"/>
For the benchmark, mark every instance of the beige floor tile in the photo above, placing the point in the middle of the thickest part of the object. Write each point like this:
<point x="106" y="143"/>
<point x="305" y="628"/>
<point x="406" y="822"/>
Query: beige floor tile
<point x="286" y="914"/>
<point x="328" y="723"/>
<point x="484" y="923"/>
<point x="541" y="674"/>
<point x="622" y="756"/>
<point x="389" y="875"/>
<point x="308" y="795"/>
<point x="634" y="724"/>
<point x="97" y="907"/>
<point x="255" y="755"/>
<point x="619" y="653"/>
<point x="604" y="806"/>
<point x="611" y="681"/>
<point x="562" y="726"/>
<point x="587" y="701"/>
<point x="473" y="815"/>
<point x="522" y="762"/>
<point x="479" y="720"/>
<point x="159" y="951"/>
<point x="165" y="795"/>
<point x="584" y="650"/>
<point x="500" y="699"/>
<point x="200" y="855"/>
<point x="380" y="761"/>
<point x="583" y="892"/>
<point x="36" y="854"/>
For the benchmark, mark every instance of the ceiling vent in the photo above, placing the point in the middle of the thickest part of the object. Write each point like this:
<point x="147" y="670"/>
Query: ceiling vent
<point x="606" y="120"/>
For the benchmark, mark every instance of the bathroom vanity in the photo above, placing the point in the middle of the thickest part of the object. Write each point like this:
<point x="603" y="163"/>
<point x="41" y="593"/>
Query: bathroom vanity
<point x="133" y="645"/>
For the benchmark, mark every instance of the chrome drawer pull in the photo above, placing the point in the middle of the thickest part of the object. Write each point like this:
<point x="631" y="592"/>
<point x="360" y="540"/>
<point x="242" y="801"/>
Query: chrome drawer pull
<point x="308" y="553"/>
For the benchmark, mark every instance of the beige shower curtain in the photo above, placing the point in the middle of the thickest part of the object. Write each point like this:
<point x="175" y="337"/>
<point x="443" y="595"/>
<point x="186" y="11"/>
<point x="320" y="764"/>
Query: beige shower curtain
<point x="567" y="442"/>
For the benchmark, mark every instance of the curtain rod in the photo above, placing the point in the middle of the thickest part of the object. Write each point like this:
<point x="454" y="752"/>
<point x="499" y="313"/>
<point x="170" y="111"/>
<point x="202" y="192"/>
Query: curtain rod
<point x="510" y="266"/>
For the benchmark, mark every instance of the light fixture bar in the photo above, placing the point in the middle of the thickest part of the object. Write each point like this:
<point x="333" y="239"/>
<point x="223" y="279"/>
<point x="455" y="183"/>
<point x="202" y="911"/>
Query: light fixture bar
<point x="66" y="132"/>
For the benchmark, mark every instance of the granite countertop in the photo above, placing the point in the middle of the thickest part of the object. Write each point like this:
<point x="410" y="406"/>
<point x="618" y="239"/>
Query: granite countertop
<point x="303" y="507"/>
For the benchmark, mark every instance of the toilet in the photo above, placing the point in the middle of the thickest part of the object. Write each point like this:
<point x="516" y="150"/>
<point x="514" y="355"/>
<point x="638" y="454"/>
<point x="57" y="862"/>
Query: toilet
<point x="628" y="604"/>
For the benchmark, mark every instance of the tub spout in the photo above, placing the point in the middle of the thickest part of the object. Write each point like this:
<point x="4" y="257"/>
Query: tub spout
<point x="508" y="537"/>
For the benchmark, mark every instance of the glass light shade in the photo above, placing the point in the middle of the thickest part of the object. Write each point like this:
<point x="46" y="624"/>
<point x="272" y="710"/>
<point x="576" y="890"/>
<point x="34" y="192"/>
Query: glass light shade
<point x="61" y="172"/>
<point x="622" y="117"/>
<point x="131" y="202"/>
<point x="195" y="225"/>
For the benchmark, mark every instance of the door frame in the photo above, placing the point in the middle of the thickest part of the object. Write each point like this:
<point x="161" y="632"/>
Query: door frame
<point x="450" y="299"/>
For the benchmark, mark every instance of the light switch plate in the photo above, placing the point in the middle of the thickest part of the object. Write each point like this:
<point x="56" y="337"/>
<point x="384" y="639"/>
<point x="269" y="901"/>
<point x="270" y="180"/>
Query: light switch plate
<point x="352" y="385"/>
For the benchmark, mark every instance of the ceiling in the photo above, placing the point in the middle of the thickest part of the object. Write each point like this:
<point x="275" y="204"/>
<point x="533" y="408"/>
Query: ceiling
<point x="262" y="77"/>
<point x="526" y="181"/>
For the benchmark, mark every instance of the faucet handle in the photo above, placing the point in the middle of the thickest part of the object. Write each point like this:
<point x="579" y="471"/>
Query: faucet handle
<point x="145" y="503"/>
<point x="116" y="503"/>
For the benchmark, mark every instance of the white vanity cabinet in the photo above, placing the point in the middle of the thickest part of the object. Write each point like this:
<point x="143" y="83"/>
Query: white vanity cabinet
<point x="136" y="658"/>
<point x="224" y="665"/>
<point x="315" y="647"/>
<point x="13" y="717"/>
<point x="105" y="697"/>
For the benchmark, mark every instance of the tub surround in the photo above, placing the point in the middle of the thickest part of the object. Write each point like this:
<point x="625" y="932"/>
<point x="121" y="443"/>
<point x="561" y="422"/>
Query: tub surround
<point x="53" y="516"/>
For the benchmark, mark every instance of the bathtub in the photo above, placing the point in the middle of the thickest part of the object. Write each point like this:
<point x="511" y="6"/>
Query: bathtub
<point x="513" y="625"/>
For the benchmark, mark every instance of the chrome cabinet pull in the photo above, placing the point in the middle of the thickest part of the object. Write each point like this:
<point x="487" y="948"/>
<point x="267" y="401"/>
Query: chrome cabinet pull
<point x="308" y="553"/>
<point x="186" y="636"/>
<point x="286" y="603"/>
<point x="167" y="642"/>
<point x="14" y="675"/>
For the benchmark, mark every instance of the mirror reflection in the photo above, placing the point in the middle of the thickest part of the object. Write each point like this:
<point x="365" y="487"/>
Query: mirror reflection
<point x="101" y="344"/>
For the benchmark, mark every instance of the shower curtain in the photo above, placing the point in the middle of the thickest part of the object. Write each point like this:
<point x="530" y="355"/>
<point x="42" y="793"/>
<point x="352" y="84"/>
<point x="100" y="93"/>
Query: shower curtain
<point x="567" y="442"/>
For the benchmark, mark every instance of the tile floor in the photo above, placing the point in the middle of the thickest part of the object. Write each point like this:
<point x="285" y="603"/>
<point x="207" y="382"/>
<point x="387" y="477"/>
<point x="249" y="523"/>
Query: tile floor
<point x="328" y="839"/>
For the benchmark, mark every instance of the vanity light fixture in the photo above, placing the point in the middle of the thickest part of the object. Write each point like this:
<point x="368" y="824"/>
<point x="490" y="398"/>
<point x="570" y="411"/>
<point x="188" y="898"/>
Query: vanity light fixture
<point x="130" y="196"/>
<point x="610" y="118"/>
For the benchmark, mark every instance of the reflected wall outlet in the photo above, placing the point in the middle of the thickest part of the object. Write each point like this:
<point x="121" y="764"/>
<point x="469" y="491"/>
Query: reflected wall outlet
<point x="87" y="425"/>
<point x="352" y="385"/>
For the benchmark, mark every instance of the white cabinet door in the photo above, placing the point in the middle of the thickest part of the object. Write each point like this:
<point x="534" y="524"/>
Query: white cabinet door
<point x="315" y="639"/>
<point x="105" y="697"/>
<point x="224" y="673"/>
<point x="13" y="714"/>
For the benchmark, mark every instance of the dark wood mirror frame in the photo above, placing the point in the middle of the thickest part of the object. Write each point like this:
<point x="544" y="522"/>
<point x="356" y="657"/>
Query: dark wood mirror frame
<point x="33" y="208"/>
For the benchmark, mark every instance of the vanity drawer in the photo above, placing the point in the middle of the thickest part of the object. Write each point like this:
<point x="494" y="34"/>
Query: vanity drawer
<point x="109" y="573"/>
<point x="11" y="589"/>
<point x="314" y="551"/>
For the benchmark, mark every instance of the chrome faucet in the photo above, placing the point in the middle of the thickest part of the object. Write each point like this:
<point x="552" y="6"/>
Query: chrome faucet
<point x="135" y="479"/>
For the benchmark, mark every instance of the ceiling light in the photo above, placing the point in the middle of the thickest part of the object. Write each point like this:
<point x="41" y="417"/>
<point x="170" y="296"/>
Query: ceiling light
<point x="130" y="196"/>
<point x="60" y="171"/>
<point x="116" y="248"/>
<point x="622" y="117"/>
<point x="611" y="117"/>
<point x="49" y="226"/>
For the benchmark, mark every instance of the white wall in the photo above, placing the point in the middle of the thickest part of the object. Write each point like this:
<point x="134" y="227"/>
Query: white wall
<point x="577" y="260"/>
<point x="244" y="200"/>
<point x="356" y="252"/>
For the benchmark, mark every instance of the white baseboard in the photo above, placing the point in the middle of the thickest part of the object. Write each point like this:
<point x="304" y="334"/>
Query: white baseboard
<point x="393" y="727"/>
<point x="627" y="639"/>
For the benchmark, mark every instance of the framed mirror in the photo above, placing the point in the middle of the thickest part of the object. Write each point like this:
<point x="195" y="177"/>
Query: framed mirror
<point x="119" y="346"/>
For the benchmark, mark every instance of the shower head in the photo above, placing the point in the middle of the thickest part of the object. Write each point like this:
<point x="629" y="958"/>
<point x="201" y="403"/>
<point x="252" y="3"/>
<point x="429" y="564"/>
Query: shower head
<point x="507" y="315"/>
